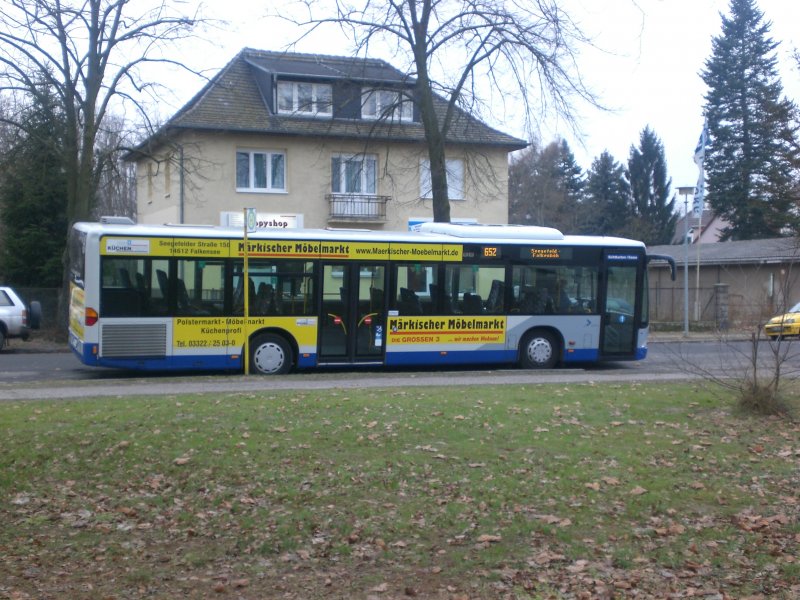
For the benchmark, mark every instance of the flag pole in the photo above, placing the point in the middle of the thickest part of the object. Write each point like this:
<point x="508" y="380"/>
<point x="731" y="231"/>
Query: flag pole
<point x="697" y="269"/>
<point x="699" y="196"/>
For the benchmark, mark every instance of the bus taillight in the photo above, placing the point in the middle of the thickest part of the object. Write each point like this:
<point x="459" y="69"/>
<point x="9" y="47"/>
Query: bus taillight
<point x="90" y="317"/>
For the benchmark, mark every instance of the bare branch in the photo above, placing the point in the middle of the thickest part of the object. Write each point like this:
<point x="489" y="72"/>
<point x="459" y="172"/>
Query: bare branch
<point x="461" y="49"/>
<point x="91" y="54"/>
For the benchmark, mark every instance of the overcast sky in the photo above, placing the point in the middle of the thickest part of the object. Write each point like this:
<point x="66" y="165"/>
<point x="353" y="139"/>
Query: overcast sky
<point x="648" y="73"/>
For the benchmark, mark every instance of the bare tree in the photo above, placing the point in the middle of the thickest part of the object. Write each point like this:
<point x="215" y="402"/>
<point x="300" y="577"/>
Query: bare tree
<point x="116" y="183"/>
<point x="756" y="369"/>
<point x="91" y="54"/>
<point x="503" y="44"/>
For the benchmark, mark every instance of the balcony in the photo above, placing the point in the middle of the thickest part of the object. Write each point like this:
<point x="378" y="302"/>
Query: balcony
<point x="361" y="208"/>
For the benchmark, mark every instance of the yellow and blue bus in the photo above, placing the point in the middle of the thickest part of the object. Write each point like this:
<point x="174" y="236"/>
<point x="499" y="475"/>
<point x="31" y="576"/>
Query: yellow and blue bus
<point x="176" y="297"/>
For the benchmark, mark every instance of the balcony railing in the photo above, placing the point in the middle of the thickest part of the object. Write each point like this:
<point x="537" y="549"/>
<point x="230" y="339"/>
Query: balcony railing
<point x="357" y="207"/>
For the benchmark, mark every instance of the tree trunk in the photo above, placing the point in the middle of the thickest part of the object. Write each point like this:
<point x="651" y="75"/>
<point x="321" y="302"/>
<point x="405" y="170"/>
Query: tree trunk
<point x="433" y="136"/>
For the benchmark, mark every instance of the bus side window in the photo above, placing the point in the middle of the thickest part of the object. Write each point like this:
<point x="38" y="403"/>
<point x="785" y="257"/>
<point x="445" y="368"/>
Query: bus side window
<point x="238" y="296"/>
<point x="472" y="304"/>
<point x="375" y="299"/>
<point x="496" y="300"/>
<point x="161" y="275"/>
<point x="125" y="278"/>
<point x="433" y="292"/>
<point x="265" y="301"/>
<point x="528" y="300"/>
<point x="187" y="305"/>
<point x="118" y="296"/>
<point x="409" y="303"/>
<point x="410" y="292"/>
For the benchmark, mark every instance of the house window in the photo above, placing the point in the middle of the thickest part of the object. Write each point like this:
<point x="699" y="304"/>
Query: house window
<point x="455" y="179"/>
<point x="305" y="98"/>
<point x="260" y="171"/>
<point x="386" y="104"/>
<point x="354" y="174"/>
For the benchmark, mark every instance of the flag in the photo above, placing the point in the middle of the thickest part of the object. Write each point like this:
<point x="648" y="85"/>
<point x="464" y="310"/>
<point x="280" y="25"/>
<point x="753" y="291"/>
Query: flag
<point x="700" y="149"/>
<point x="699" y="193"/>
<point x="699" y="157"/>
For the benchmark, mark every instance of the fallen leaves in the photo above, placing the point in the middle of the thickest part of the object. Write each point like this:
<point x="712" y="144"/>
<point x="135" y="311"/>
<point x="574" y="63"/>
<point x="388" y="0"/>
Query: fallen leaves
<point x="554" y="520"/>
<point x="545" y="557"/>
<point x="454" y="498"/>
<point x="751" y="522"/>
<point x="673" y="529"/>
<point x="221" y="587"/>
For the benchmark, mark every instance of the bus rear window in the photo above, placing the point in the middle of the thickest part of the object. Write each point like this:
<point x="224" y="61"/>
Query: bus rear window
<point x="77" y="256"/>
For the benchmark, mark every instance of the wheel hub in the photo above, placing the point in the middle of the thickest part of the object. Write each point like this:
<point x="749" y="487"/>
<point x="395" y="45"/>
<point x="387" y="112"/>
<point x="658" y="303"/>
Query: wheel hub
<point x="269" y="358"/>
<point x="540" y="350"/>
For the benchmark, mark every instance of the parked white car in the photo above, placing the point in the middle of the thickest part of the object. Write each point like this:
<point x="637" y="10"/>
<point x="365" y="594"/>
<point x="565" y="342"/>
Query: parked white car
<point x="16" y="319"/>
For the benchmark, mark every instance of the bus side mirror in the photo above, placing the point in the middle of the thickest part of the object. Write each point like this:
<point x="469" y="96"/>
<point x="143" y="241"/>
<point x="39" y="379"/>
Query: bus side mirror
<point x="664" y="257"/>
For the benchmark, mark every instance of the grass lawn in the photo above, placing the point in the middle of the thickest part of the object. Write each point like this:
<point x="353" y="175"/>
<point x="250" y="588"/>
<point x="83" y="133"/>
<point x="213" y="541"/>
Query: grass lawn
<point x="579" y="491"/>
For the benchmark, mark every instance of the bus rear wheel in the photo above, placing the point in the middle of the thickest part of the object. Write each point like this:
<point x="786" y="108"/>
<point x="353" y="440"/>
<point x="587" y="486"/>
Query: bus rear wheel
<point x="539" y="350"/>
<point x="270" y="354"/>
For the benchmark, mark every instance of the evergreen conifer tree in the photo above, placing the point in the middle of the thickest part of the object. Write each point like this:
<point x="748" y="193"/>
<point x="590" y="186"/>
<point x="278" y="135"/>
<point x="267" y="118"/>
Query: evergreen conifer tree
<point x="752" y="158"/>
<point x="607" y="198"/>
<point x="545" y="187"/>
<point x="32" y="199"/>
<point x="571" y="186"/>
<point x="653" y="220"/>
<point x="522" y="174"/>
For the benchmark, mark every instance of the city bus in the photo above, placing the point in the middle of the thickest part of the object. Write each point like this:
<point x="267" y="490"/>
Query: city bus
<point x="178" y="297"/>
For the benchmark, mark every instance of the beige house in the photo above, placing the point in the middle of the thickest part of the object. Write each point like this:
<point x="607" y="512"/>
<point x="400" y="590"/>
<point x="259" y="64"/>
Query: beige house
<point x="314" y="141"/>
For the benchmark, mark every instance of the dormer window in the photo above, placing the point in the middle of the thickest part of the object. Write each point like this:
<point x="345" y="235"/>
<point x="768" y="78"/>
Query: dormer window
<point x="305" y="98"/>
<point x="386" y="105"/>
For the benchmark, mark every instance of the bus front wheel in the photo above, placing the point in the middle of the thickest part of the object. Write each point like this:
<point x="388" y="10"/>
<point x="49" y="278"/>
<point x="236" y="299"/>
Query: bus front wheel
<point x="270" y="354"/>
<point x="539" y="350"/>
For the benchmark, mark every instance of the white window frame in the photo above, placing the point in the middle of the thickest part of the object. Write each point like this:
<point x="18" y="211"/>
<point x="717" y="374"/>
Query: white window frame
<point x="455" y="179"/>
<point x="383" y="104"/>
<point x="364" y="183"/>
<point x="321" y="102"/>
<point x="251" y="174"/>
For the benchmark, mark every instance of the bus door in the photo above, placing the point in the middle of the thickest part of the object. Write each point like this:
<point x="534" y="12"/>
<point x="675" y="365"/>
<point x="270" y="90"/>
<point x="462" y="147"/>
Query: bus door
<point x="619" y="304"/>
<point x="353" y="319"/>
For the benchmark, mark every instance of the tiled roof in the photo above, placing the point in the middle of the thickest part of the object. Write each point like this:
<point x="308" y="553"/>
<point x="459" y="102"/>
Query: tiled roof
<point x="326" y="67"/>
<point x="741" y="252"/>
<point x="232" y="101"/>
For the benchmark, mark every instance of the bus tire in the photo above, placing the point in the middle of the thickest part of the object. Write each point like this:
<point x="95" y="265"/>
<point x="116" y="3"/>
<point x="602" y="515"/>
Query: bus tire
<point x="270" y="354"/>
<point x="539" y="350"/>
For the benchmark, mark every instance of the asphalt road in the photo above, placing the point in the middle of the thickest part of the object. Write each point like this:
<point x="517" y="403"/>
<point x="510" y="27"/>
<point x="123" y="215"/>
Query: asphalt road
<point x="30" y="375"/>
